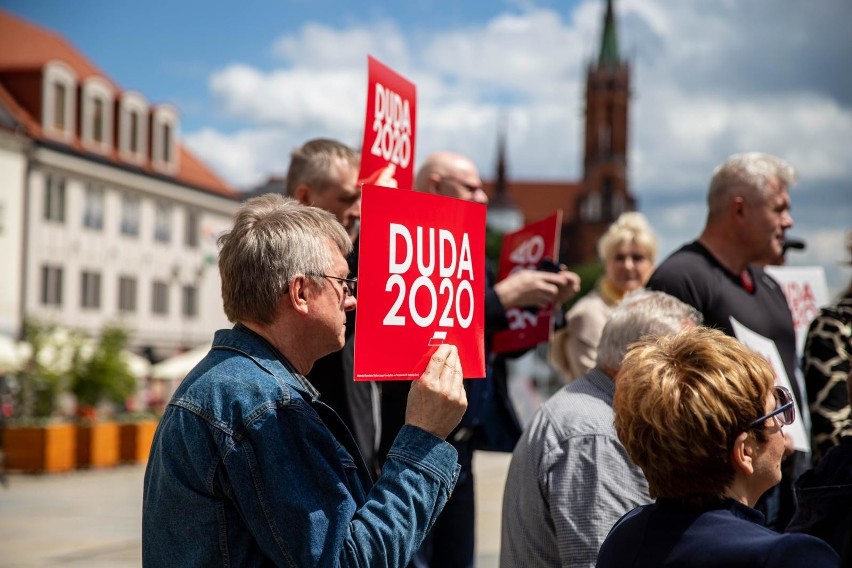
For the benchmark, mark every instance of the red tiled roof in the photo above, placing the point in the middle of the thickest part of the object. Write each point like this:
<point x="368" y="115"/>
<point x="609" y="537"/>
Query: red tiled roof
<point x="26" y="48"/>
<point x="537" y="200"/>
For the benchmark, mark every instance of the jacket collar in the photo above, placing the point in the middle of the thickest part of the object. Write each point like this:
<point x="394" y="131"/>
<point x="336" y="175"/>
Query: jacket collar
<point x="255" y="347"/>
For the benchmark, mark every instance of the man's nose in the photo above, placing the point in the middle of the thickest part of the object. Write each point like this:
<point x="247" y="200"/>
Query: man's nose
<point x="349" y="303"/>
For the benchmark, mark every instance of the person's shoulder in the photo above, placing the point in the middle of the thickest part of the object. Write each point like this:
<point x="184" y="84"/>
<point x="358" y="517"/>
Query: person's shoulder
<point x="796" y="549"/>
<point x="578" y="408"/>
<point x="687" y="256"/>
<point x="688" y="274"/>
<point x="230" y="386"/>
<point x="592" y="305"/>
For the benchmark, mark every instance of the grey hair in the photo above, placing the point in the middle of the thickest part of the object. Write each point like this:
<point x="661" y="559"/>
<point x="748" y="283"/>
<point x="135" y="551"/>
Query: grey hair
<point x="750" y="173"/>
<point x="630" y="227"/>
<point x="312" y="163"/>
<point x="273" y="240"/>
<point x="642" y="313"/>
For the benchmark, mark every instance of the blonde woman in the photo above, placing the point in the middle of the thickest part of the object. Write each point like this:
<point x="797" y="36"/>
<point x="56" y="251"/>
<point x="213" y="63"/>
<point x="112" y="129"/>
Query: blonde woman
<point x="628" y="250"/>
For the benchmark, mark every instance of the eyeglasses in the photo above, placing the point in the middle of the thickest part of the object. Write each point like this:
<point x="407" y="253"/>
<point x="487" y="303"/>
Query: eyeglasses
<point x="349" y="285"/>
<point x="470" y="187"/>
<point x="785" y="410"/>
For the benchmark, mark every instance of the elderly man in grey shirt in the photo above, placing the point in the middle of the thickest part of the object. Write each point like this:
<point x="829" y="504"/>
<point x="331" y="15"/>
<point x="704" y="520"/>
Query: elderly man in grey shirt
<point x="570" y="478"/>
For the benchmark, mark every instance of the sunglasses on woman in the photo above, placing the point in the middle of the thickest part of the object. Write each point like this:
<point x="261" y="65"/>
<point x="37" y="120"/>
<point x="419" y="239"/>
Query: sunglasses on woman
<point x="785" y="410"/>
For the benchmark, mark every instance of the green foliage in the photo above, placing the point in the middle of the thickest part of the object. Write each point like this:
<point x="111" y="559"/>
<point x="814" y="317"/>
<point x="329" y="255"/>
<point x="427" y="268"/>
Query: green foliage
<point x="493" y="243"/>
<point x="40" y="383"/>
<point x="105" y="375"/>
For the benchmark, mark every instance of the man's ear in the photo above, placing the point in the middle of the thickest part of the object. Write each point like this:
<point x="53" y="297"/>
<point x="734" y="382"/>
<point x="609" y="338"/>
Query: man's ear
<point x="434" y="183"/>
<point x="297" y="294"/>
<point x="742" y="454"/>
<point x="303" y="195"/>
<point x="738" y="206"/>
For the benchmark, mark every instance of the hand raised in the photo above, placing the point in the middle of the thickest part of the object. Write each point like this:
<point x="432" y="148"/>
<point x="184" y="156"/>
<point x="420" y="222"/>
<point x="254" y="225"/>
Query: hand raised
<point x="437" y="401"/>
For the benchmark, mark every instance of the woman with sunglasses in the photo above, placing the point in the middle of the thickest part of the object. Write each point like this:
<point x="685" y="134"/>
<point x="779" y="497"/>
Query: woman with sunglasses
<point x="701" y="416"/>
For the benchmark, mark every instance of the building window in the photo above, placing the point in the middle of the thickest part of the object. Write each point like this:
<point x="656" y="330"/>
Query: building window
<point x="133" y="128"/>
<point x="164" y="133"/>
<point x="162" y="222"/>
<point x="60" y="95"/>
<point x="90" y="290"/>
<point x="191" y="236"/>
<point x="54" y="199"/>
<point x="134" y="132"/>
<point x="590" y="210"/>
<point x="98" y="121"/>
<point x="127" y="294"/>
<point x="167" y="143"/>
<point x="130" y="213"/>
<point x="51" y="285"/>
<point x="59" y="100"/>
<point x="93" y="208"/>
<point x="190" y="301"/>
<point x="160" y="299"/>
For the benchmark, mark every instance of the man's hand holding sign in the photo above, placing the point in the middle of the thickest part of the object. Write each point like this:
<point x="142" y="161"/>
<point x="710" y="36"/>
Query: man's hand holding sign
<point x="530" y="284"/>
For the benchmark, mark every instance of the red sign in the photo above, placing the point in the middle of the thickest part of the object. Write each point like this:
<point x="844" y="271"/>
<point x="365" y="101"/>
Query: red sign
<point x="387" y="153"/>
<point x="525" y="249"/>
<point x="421" y="283"/>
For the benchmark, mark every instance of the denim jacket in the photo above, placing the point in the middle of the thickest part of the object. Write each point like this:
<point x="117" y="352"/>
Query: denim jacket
<point x="249" y="468"/>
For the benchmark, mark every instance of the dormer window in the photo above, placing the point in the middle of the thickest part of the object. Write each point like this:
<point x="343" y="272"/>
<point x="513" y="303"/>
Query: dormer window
<point x="59" y="100"/>
<point x="132" y="134"/>
<point x="164" y="125"/>
<point x="97" y="114"/>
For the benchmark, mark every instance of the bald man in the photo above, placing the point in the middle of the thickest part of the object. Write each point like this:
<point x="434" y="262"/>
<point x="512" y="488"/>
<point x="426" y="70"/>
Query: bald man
<point x="490" y="422"/>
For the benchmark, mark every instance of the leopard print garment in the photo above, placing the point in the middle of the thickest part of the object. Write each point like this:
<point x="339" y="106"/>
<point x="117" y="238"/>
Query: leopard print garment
<point x="826" y="363"/>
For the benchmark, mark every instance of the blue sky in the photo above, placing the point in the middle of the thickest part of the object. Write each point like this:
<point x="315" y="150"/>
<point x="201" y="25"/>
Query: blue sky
<point x="254" y="79"/>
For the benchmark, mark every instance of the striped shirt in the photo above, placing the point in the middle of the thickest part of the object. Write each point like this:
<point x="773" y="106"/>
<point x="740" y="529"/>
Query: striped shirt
<point x="569" y="481"/>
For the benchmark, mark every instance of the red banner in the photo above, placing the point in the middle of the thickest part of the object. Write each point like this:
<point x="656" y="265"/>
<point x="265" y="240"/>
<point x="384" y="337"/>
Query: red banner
<point x="421" y="283"/>
<point x="387" y="152"/>
<point x="526" y="248"/>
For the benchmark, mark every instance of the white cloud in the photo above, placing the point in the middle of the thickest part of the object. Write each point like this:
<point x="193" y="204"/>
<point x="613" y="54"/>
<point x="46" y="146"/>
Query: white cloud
<point x="291" y="98"/>
<point x="321" y="47"/>
<point x="708" y="80"/>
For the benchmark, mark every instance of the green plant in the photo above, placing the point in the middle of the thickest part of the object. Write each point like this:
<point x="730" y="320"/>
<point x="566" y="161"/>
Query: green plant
<point x="103" y="376"/>
<point x="40" y="382"/>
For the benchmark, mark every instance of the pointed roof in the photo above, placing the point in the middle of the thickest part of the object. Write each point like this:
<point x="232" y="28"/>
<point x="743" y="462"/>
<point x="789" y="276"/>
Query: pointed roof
<point x="609" y="55"/>
<point x="501" y="195"/>
<point x="26" y="48"/>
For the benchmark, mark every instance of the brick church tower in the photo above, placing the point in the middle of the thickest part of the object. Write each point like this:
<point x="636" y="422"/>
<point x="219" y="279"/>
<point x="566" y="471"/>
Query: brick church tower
<point x="604" y="193"/>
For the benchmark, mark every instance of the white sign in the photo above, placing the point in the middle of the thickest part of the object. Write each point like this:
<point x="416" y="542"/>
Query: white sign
<point x="806" y="291"/>
<point x="766" y="348"/>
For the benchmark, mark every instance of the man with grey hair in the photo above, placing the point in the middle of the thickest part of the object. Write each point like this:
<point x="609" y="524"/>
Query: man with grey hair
<point x="570" y="478"/>
<point x="719" y="274"/>
<point x="324" y="173"/>
<point x="248" y="466"/>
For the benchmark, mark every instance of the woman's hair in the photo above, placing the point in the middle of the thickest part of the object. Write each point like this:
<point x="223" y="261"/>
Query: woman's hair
<point x="273" y="240"/>
<point x="681" y="401"/>
<point x="630" y="227"/>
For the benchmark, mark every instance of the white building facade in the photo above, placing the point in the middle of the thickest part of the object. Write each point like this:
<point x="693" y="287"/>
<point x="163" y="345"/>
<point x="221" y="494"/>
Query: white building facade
<point x="104" y="216"/>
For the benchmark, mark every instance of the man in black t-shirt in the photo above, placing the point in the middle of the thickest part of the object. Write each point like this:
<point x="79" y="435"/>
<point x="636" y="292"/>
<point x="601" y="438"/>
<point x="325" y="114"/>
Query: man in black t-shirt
<point x="748" y="215"/>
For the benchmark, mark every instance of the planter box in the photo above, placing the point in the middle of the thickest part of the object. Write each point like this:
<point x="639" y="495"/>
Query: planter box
<point x="136" y="438"/>
<point x="97" y="444"/>
<point x="39" y="449"/>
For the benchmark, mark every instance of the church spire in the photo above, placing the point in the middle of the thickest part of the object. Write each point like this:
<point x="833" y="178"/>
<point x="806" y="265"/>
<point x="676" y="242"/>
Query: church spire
<point x="500" y="189"/>
<point x="609" y="56"/>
